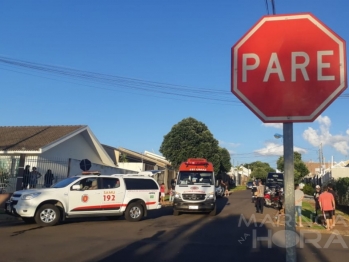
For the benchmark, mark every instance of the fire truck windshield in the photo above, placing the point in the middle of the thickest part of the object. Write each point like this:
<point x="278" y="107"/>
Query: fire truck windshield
<point x="195" y="178"/>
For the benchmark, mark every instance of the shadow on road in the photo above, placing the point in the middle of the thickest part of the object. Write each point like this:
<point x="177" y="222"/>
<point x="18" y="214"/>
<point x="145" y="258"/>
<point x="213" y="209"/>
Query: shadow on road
<point x="225" y="238"/>
<point x="218" y="239"/>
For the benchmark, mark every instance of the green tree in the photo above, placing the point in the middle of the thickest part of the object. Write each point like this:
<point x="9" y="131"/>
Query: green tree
<point x="300" y="169"/>
<point x="259" y="173"/>
<point x="259" y="169"/>
<point x="225" y="164"/>
<point x="259" y="164"/>
<point x="123" y="158"/>
<point x="190" y="138"/>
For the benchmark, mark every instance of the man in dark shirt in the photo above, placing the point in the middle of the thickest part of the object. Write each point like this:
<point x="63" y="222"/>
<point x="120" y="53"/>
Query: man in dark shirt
<point x="173" y="184"/>
<point x="330" y="190"/>
<point x="317" y="205"/>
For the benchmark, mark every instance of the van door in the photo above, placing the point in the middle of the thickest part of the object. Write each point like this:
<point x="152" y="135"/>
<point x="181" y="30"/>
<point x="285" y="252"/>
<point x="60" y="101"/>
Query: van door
<point x="87" y="200"/>
<point x="113" y="194"/>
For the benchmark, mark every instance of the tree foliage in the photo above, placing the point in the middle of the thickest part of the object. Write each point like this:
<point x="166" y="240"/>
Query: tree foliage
<point x="300" y="169"/>
<point x="259" y="169"/>
<point x="123" y="158"/>
<point x="225" y="164"/>
<point x="259" y="173"/>
<point x="341" y="187"/>
<point x="191" y="138"/>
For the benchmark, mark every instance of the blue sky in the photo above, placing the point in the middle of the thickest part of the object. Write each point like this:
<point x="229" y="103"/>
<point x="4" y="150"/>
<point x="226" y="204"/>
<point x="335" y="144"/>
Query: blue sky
<point x="182" y="45"/>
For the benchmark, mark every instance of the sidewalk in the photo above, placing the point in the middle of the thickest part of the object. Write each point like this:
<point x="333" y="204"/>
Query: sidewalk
<point x="5" y="219"/>
<point x="342" y="220"/>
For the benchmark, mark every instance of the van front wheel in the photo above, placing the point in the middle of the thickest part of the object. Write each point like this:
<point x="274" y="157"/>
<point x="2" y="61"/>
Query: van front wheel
<point x="47" y="215"/>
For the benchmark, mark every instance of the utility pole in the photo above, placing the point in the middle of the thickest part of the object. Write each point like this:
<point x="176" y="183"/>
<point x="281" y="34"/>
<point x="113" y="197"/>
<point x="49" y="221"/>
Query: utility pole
<point x="321" y="161"/>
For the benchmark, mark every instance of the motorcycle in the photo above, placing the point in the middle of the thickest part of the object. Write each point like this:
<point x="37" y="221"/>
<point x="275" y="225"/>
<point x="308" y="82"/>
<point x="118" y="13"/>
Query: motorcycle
<point x="273" y="199"/>
<point x="219" y="191"/>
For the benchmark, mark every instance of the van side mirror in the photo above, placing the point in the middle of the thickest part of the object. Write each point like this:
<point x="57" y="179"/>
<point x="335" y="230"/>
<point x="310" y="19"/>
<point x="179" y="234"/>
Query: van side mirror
<point x="75" y="187"/>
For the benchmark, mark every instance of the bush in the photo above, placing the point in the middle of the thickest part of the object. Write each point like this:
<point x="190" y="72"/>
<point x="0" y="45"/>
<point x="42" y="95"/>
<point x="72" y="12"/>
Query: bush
<point x="308" y="189"/>
<point x="342" y="188"/>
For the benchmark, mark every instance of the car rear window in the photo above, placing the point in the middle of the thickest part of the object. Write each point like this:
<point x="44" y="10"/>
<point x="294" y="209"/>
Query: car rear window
<point x="140" y="184"/>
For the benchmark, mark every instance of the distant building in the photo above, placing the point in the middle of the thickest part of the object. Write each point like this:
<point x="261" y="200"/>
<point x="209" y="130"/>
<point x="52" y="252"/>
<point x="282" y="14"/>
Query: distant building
<point x="135" y="161"/>
<point x="323" y="174"/>
<point x="240" y="174"/>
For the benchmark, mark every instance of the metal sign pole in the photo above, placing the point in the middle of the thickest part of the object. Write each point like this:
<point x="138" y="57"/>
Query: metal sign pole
<point x="290" y="227"/>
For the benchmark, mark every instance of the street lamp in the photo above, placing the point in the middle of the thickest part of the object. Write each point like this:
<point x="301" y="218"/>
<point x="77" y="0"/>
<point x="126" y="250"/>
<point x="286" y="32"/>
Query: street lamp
<point x="277" y="136"/>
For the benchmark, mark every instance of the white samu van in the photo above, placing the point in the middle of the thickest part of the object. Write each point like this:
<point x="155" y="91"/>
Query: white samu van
<point x="195" y="187"/>
<point x="87" y="195"/>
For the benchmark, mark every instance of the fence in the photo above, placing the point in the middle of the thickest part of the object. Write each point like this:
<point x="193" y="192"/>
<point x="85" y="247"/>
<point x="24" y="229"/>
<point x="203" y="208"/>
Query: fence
<point x="58" y="167"/>
<point x="11" y="180"/>
<point x="8" y="173"/>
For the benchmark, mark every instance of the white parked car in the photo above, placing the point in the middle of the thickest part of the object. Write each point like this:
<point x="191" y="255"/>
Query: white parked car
<point x="86" y="196"/>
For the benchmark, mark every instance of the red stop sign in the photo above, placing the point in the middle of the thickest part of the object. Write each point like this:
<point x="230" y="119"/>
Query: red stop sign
<point x="288" y="68"/>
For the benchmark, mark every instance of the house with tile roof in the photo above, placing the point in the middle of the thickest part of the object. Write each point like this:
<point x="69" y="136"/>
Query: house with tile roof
<point x="76" y="141"/>
<point x="58" y="148"/>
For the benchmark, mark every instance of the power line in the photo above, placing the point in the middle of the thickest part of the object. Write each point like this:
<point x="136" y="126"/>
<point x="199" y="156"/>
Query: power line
<point x="124" y="84"/>
<point x="267" y="6"/>
<point x="272" y="6"/>
<point x="118" y="82"/>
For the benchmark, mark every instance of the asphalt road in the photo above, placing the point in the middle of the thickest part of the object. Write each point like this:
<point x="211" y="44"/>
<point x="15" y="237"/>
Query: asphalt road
<point x="164" y="237"/>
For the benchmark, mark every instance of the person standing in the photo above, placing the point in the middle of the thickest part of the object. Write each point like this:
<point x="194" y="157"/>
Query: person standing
<point x="253" y="191"/>
<point x="172" y="190"/>
<point x="162" y="193"/>
<point x="317" y="205"/>
<point x="260" y="197"/>
<point x="26" y="177"/>
<point x="330" y="190"/>
<point x="327" y="205"/>
<point x="223" y="185"/>
<point x="48" y="178"/>
<point x="34" y="176"/>
<point x="299" y="195"/>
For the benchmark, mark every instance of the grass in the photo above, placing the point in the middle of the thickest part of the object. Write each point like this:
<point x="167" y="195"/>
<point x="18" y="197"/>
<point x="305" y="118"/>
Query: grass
<point x="308" y="214"/>
<point x="238" y="188"/>
<point x="308" y="210"/>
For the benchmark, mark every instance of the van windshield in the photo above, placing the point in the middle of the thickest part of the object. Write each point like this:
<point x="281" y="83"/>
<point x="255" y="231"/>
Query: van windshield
<point x="276" y="178"/>
<point x="195" y="178"/>
<point x="65" y="182"/>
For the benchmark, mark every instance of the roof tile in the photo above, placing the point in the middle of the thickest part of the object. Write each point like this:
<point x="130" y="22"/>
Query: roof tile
<point x="32" y="138"/>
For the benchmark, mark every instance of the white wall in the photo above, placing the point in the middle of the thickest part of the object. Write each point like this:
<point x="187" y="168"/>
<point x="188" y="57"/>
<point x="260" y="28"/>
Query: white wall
<point x="131" y="166"/>
<point x="104" y="170"/>
<point x="76" y="147"/>
<point x="340" y="172"/>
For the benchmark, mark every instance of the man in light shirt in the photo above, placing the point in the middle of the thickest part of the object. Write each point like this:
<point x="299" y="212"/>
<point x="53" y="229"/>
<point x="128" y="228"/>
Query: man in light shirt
<point x="299" y="195"/>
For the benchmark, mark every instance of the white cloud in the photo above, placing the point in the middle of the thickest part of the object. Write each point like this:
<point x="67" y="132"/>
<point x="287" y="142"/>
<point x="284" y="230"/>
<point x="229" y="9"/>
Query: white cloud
<point x="275" y="125"/>
<point x="273" y="149"/>
<point x="323" y="136"/>
<point x="229" y="146"/>
<point x="234" y="145"/>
